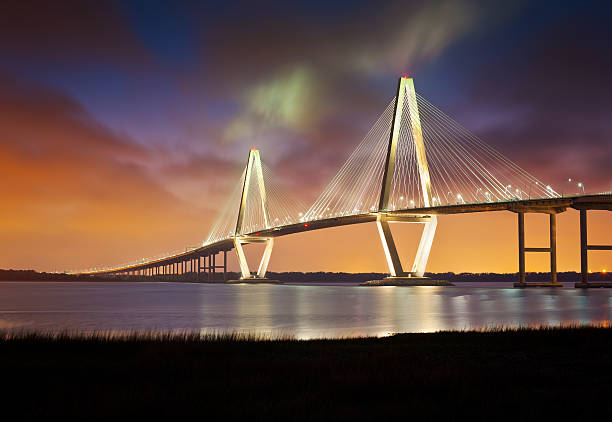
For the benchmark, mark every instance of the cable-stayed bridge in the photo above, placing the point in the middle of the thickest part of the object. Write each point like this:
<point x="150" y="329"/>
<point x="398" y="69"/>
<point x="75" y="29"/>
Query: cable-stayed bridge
<point x="414" y="164"/>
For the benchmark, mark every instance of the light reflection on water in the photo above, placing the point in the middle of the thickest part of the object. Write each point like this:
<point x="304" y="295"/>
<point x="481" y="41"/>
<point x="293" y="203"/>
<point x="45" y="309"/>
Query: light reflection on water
<point x="290" y="310"/>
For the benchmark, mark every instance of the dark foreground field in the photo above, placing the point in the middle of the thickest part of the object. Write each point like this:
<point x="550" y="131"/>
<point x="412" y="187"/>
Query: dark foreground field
<point x="519" y="375"/>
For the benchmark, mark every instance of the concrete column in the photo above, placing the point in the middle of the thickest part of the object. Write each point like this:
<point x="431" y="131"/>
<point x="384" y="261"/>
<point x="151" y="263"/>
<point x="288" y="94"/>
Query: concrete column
<point x="224" y="265"/>
<point x="553" y="247"/>
<point x="521" y="244"/>
<point x="214" y="265"/>
<point x="208" y="266"/>
<point x="388" y="244"/>
<point x="584" y="264"/>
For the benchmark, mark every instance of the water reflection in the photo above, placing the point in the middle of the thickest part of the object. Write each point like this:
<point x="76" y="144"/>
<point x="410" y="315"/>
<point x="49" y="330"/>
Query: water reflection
<point x="299" y="311"/>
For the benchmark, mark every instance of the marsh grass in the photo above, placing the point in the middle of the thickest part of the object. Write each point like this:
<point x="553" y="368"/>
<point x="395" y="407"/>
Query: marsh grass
<point x="103" y="336"/>
<point x="214" y="336"/>
<point x="496" y="373"/>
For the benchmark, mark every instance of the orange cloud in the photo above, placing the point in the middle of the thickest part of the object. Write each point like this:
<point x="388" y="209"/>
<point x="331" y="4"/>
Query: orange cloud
<point x="73" y="193"/>
<point x="76" y="195"/>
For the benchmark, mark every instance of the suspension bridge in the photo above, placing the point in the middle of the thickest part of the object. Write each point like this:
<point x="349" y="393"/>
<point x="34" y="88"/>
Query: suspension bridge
<point x="414" y="164"/>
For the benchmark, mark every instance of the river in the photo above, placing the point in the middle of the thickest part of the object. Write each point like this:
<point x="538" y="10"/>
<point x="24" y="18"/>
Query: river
<point x="300" y="311"/>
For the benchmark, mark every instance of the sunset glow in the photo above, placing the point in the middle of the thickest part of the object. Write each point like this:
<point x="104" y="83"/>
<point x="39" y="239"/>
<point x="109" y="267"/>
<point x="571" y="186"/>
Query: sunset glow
<point x="124" y="142"/>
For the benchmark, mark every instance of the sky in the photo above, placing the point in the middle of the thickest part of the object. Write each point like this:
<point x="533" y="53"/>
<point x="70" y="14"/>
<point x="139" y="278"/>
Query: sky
<point x="124" y="125"/>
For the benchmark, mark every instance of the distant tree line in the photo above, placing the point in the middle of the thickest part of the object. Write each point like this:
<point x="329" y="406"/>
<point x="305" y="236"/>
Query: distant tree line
<point x="301" y="277"/>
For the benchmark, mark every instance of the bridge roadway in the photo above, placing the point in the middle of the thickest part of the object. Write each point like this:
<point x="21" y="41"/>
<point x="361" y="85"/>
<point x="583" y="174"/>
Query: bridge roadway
<point x="544" y="205"/>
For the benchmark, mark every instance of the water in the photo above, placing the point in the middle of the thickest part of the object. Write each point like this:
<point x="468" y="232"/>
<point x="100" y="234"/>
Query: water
<point x="295" y="310"/>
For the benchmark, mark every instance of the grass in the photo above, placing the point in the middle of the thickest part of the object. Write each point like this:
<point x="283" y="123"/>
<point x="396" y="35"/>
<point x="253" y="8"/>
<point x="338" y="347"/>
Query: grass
<point x="493" y="374"/>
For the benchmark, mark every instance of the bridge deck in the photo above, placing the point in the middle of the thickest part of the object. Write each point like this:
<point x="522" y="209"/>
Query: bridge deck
<point x="545" y="205"/>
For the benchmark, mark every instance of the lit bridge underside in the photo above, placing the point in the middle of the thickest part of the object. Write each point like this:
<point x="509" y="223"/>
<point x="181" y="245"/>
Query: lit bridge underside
<point x="414" y="164"/>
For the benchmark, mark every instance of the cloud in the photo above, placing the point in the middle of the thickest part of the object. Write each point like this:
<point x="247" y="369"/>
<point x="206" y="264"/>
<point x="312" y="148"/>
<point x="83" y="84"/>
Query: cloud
<point x="68" y="32"/>
<point x="291" y="74"/>
<point x="409" y="34"/>
<point x="304" y="85"/>
<point x="554" y="102"/>
<point x="74" y="192"/>
<point x="285" y="102"/>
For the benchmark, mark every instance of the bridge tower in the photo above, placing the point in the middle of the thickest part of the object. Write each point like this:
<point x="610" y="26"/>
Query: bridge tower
<point x="253" y="169"/>
<point x="406" y="98"/>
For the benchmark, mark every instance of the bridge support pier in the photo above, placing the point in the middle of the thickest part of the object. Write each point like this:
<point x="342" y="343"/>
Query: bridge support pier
<point x="551" y="249"/>
<point x="246" y="275"/>
<point x="584" y="252"/>
<point x="399" y="277"/>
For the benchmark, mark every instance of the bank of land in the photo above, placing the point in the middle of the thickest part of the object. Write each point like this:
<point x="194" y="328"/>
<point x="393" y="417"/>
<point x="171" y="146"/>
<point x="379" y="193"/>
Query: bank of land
<point x="495" y="375"/>
<point x="299" y="277"/>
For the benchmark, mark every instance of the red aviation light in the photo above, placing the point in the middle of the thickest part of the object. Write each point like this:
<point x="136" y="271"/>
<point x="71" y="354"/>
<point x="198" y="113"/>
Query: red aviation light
<point x="305" y="224"/>
<point x="405" y="76"/>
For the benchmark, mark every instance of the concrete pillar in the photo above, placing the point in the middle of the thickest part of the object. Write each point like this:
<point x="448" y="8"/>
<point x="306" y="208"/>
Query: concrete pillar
<point x="553" y="247"/>
<point x="584" y="264"/>
<point x="208" y="267"/>
<point x="214" y="265"/>
<point x="224" y="265"/>
<point x="521" y="245"/>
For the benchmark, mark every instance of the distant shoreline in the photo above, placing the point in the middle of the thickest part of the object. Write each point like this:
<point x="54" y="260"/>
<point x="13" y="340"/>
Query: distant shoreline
<point x="297" y="277"/>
